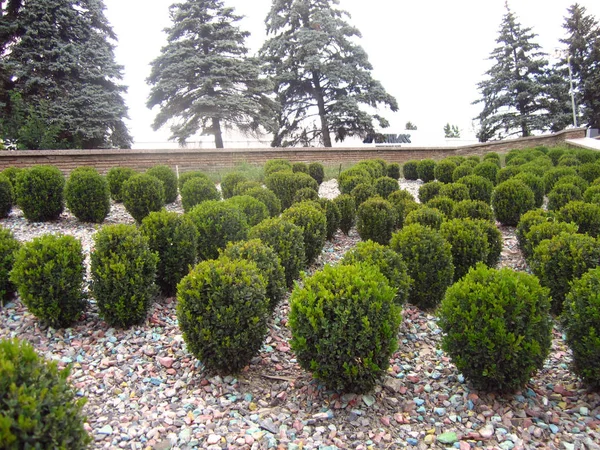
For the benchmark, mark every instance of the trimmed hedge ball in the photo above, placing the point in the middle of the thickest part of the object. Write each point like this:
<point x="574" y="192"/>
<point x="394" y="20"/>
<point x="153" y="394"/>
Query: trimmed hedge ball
<point x="472" y="209"/>
<point x="229" y="183"/>
<point x="143" y="194"/>
<point x="313" y="222"/>
<point x="7" y="196"/>
<point x="277" y="165"/>
<point x="376" y="220"/>
<point x="553" y="175"/>
<point x="87" y="195"/>
<point x="444" y="204"/>
<point x="254" y="210"/>
<point x="385" y="186"/>
<point x="469" y="244"/>
<point x="495" y="241"/>
<point x="317" y="171"/>
<point x="456" y="191"/>
<point x="197" y="190"/>
<point x="409" y="170"/>
<point x="347" y="208"/>
<point x="530" y="218"/>
<point x="115" y="178"/>
<point x="461" y="171"/>
<point x="510" y="200"/>
<point x="39" y="192"/>
<point x="545" y="230"/>
<point x="443" y="170"/>
<point x="362" y="192"/>
<point x="8" y="250"/>
<point x="426" y="216"/>
<point x="245" y="186"/>
<point x="169" y="180"/>
<point x="268" y="197"/>
<point x="286" y="184"/>
<point x="332" y="213"/>
<point x="562" y="194"/>
<point x="585" y="215"/>
<point x="429" y="190"/>
<point x="480" y="188"/>
<point x="536" y="184"/>
<point x="186" y="176"/>
<point x="487" y="170"/>
<point x="394" y="171"/>
<point x="426" y="169"/>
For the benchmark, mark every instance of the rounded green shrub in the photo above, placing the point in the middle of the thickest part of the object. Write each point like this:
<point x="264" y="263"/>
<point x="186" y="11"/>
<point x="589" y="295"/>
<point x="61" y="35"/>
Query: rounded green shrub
<point x="507" y="173"/>
<point x="376" y="220"/>
<point x="267" y="262"/>
<point x="429" y="190"/>
<point x="306" y="194"/>
<point x="480" y="188"/>
<point x="39" y="407"/>
<point x="456" y="191"/>
<point x="426" y="170"/>
<point x="229" y="183"/>
<point x="174" y="238"/>
<point x="403" y="203"/>
<point x="581" y="323"/>
<point x="115" y="178"/>
<point x="376" y="168"/>
<point x="517" y="161"/>
<point x="123" y="274"/>
<point x="8" y="249"/>
<point x="385" y="186"/>
<point x="469" y="244"/>
<point x="389" y="263"/>
<point x="461" y="171"/>
<point x="197" y="190"/>
<point x="344" y="324"/>
<point x="393" y="171"/>
<point x="317" y="171"/>
<point x="497" y="327"/>
<point x="443" y="170"/>
<point x="568" y="161"/>
<point x="277" y="165"/>
<point x="555" y="153"/>
<point x="545" y="230"/>
<point x="7" y="196"/>
<point x="426" y="216"/>
<point x="143" y="194"/>
<point x="562" y="259"/>
<point x="585" y="215"/>
<point x="268" y="198"/>
<point x="573" y="179"/>
<point x="472" y="209"/>
<point x="409" y="170"/>
<point x="474" y="158"/>
<point x="186" y="176"/>
<point x="589" y="171"/>
<point x="169" y="180"/>
<point x="444" y="204"/>
<point x="562" y="194"/>
<point x="313" y="222"/>
<point x="362" y="192"/>
<point x="347" y="208"/>
<point x="332" y="213"/>
<point x="510" y="200"/>
<point x="217" y="223"/>
<point x="487" y="170"/>
<point x="11" y="173"/>
<point x="254" y="210"/>
<point x="48" y="273"/>
<point x="287" y="240"/>
<point x="286" y="184"/>
<point x="428" y="257"/>
<point x="551" y="176"/>
<point x="245" y="186"/>
<point x="592" y="194"/>
<point x="529" y="219"/>
<point x="300" y="167"/>
<point x="222" y="310"/>
<point x="493" y="156"/>
<point x="495" y="241"/>
<point x="87" y="195"/>
<point x="39" y="192"/>
<point x="586" y="156"/>
<point x="536" y="184"/>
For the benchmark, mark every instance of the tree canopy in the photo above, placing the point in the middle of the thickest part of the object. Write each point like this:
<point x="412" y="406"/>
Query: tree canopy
<point x="322" y="77"/>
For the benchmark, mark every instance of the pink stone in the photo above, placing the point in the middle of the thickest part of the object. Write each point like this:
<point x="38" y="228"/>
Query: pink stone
<point x="165" y="361"/>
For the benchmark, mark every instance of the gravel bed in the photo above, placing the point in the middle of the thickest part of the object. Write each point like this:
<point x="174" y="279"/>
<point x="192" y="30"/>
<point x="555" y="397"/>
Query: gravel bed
<point x="146" y="391"/>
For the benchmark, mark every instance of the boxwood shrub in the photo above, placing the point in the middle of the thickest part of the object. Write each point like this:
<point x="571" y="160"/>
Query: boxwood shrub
<point x="344" y="323"/>
<point x="409" y="170"/>
<point x="592" y="194"/>
<point x="332" y="214"/>
<point x="254" y="210"/>
<point x="536" y="184"/>
<point x="347" y="208"/>
<point x="456" y="191"/>
<point x="573" y="179"/>
<point x="115" y="178"/>
<point x="429" y="190"/>
<point x="243" y="187"/>
<point x="495" y="241"/>
<point x="426" y="216"/>
<point x="197" y="190"/>
<point x="286" y="184"/>
<point x="266" y="196"/>
<point x="480" y="188"/>
<point x="469" y="244"/>
<point x="426" y="170"/>
<point x="143" y="194"/>
<point x="472" y="209"/>
<point x="443" y="170"/>
<point x="403" y="203"/>
<point x="87" y="195"/>
<point x="589" y="171"/>
<point x="510" y="200"/>
<point x="277" y="165"/>
<point x="506" y="173"/>
<point x="7" y="196"/>
<point x="317" y="171"/>
<point x="8" y="249"/>
<point x="222" y="310"/>
<point x="444" y="204"/>
<point x="551" y="176"/>
<point x="562" y="194"/>
<point x="363" y="192"/>
<point x="186" y="176"/>
<point x="376" y="220"/>
<point x="48" y="273"/>
<point x="313" y="222"/>
<point x="384" y="186"/>
<point x="40" y="193"/>
<point x="229" y="183"/>
<point x="169" y="180"/>
<point x="487" y="170"/>
<point x="393" y="171"/>
<point x="305" y="194"/>
<point x="530" y="218"/>
<point x="497" y="327"/>
<point x="300" y="167"/>
<point x="11" y="173"/>
<point x="463" y="170"/>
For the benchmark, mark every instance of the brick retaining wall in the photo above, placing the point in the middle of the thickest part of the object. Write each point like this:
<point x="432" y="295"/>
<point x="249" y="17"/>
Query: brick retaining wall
<point x="212" y="159"/>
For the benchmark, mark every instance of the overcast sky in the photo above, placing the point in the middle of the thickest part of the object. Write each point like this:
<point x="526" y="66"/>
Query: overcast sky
<point x="429" y="54"/>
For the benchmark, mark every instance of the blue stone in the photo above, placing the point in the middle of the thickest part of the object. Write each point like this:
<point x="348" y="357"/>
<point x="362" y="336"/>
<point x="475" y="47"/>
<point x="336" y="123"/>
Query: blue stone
<point x="419" y="401"/>
<point x="553" y="428"/>
<point x="412" y="441"/>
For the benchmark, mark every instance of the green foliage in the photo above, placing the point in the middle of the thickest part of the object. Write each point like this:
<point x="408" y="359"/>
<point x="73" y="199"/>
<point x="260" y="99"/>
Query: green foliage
<point x="555" y="153"/>
<point x="568" y="160"/>
<point x="495" y="241"/>
<point x="376" y="220"/>
<point x="286" y="184"/>
<point x="429" y="190"/>
<point x="8" y="248"/>
<point x="389" y="263"/>
<point x="409" y="170"/>
<point x="347" y="208"/>
<point x="426" y="170"/>
<point x="510" y="200"/>
<point x="313" y="222"/>
<point x="169" y="180"/>
<point x="143" y="194"/>
<point x="11" y="173"/>
<point x="472" y="209"/>
<point x="287" y="240"/>
<point x="254" y="210"/>
<point x="507" y="172"/>
<point x="317" y="171"/>
<point x="393" y="171"/>
<point x="229" y="183"/>
<point x="186" y="176"/>
<point x="39" y="407"/>
<point x="123" y="274"/>
<point x="536" y="184"/>
<point x="444" y="204"/>
<point x="39" y="193"/>
<point x="581" y="323"/>
<point x="518" y="161"/>
<point x="493" y="157"/>
<point x="197" y="190"/>
<point x="551" y="176"/>
<point x="562" y="194"/>
<point x="277" y="165"/>
<point x="497" y="327"/>
<point x="529" y="219"/>
<point x="428" y="257"/>
<point x="217" y="223"/>
<point x="7" y="196"/>
<point x="268" y="197"/>
<point x="572" y="179"/>
<point x="115" y="177"/>
<point x="300" y="167"/>
<point x="403" y="203"/>
<point x="592" y="194"/>
<point x="487" y="170"/>
<point x="48" y="272"/>
<point x="173" y="237"/>
<point x="87" y="195"/>
<point x="332" y="213"/>
<point x="385" y="186"/>
<point x="545" y="230"/>
<point x="443" y="170"/>
<point x="245" y="186"/>
<point x="589" y="171"/>
<point x="349" y="178"/>
<point x="461" y="171"/>
<point x="480" y="188"/>
<point x="362" y="192"/>
<point x="455" y="191"/>
<point x="585" y="215"/>
<point x="426" y="216"/>
<point x="469" y="244"/>
<point x="344" y="324"/>
<point x="562" y="259"/>
<point x="222" y="310"/>
<point x="306" y="194"/>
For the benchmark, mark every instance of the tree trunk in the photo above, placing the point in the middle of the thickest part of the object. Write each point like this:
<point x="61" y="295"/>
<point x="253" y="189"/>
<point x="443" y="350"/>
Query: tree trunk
<point x="321" y="106"/>
<point x="216" y="125"/>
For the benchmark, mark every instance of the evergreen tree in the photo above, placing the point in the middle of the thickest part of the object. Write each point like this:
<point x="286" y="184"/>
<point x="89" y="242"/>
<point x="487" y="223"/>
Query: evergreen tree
<point x="321" y="76"/>
<point x="410" y="126"/>
<point x="583" y="54"/>
<point x="203" y="78"/>
<point x="451" y="131"/>
<point x="514" y="98"/>
<point x="57" y="53"/>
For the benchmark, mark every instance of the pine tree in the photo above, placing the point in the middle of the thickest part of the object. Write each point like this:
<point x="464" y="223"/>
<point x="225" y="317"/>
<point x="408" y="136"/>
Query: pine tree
<point x="321" y="76"/>
<point x="514" y="98"/>
<point x="58" y="54"/>
<point x="583" y="54"/>
<point x="451" y="131"/>
<point x="203" y="78"/>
